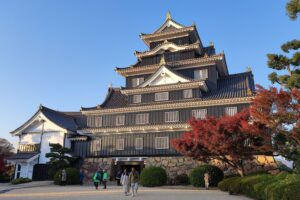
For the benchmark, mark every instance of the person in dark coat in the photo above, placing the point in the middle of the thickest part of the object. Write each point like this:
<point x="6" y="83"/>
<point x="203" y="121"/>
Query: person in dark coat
<point x="81" y="176"/>
<point x="118" y="177"/>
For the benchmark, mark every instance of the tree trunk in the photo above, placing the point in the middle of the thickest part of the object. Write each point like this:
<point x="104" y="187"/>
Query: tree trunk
<point x="241" y="169"/>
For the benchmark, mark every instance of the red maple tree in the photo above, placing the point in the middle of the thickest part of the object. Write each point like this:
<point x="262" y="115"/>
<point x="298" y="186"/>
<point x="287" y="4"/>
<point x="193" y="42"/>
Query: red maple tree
<point x="229" y="139"/>
<point x="279" y="110"/>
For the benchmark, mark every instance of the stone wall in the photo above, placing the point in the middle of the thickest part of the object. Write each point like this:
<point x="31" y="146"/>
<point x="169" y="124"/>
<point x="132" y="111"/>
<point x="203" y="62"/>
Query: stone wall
<point x="183" y="165"/>
<point x="91" y="165"/>
<point x="179" y="165"/>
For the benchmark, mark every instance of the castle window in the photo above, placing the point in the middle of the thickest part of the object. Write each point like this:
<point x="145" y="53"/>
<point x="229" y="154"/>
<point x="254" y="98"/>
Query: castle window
<point x="162" y="143"/>
<point x="230" y="111"/>
<point x="142" y="118"/>
<point x="138" y="143"/>
<point x="172" y="116"/>
<point x="200" y="74"/>
<point x="137" y="98"/>
<point x="187" y="93"/>
<point x="96" y="145"/>
<point x="199" y="113"/>
<point x="90" y="121"/>
<point x="137" y="81"/>
<point x="120" y="144"/>
<point x="162" y="96"/>
<point x="98" y="121"/>
<point x="120" y="120"/>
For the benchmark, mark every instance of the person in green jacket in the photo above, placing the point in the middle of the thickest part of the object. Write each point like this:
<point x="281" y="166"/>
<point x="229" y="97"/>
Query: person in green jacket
<point x="96" y="179"/>
<point x="105" y="178"/>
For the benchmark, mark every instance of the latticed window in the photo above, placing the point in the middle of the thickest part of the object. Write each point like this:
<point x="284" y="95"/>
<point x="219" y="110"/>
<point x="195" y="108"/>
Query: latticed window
<point x="90" y="121"/>
<point x="96" y="145"/>
<point x="120" y="120"/>
<point x="137" y="81"/>
<point x="199" y="113"/>
<point x="200" y="74"/>
<point x="98" y="121"/>
<point x="172" y="116"/>
<point x="162" y="96"/>
<point x="138" y="143"/>
<point x="120" y="144"/>
<point x="137" y="98"/>
<point x="187" y="93"/>
<point x="230" y="111"/>
<point x="162" y="143"/>
<point x="142" y="118"/>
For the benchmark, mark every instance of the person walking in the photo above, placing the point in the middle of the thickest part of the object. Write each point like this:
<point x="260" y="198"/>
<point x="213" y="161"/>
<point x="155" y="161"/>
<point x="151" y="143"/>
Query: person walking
<point x="125" y="182"/>
<point x="105" y="178"/>
<point x="81" y="176"/>
<point x="96" y="179"/>
<point x="118" y="177"/>
<point x="134" y="181"/>
<point x="206" y="180"/>
<point x="63" y="177"/>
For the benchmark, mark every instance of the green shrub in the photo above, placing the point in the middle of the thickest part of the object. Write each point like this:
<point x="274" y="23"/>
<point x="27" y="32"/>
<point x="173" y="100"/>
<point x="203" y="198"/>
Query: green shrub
<point x="153" y="176"/>
<point x="20" y="180"/>
<point x="224" y="184"/>
<point x="283" y="186"/>
<point x="275" y="190"/>
<point x="182" y="179"/>
<point x="72" y="176"/>
<point x="197" y="175"/>
<point x="292" y="191"/>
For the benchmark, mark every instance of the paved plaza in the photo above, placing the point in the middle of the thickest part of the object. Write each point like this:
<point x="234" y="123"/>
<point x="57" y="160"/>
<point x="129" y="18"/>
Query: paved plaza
<point x="114" y="193"/>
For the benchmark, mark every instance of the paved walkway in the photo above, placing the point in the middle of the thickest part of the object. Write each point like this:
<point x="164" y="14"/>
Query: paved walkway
<point x="114" y="193"/>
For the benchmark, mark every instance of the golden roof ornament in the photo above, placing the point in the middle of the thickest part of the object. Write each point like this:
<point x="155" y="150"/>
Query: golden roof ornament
<point x="162" y="60"/>
<point x="248" y="69"/>
<point x="168" y="17"/>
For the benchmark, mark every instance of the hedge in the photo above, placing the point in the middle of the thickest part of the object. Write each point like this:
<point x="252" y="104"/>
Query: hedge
<point x="197" y="175"/>
<point x="72" y="176"/>
<point x="153" y="176"/>
<point x="20" y="180"/>
<point x="283" y="186"/>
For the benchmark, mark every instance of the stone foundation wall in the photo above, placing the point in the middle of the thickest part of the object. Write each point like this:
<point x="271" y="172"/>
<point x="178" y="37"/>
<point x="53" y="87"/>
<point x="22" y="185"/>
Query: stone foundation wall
<point x="91" y="165"/>
<point x="183" y="165"/>
<point x="179" y="165"/>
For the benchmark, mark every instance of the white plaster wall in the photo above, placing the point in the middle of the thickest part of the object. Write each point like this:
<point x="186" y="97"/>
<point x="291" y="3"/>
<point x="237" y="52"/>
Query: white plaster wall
<point x="51" y="137"/>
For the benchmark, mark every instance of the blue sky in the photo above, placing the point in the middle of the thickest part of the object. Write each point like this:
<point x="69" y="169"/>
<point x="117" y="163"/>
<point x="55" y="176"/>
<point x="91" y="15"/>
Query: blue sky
<point x="62" y="54"/>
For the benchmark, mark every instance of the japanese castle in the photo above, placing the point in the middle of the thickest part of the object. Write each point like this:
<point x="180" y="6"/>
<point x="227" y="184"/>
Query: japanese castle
<point x="177" y="78"/>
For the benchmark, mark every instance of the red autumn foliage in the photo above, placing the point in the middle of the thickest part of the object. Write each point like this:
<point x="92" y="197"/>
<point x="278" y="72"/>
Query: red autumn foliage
<point x="279" y="110"/>
<point x="230" y="139"/>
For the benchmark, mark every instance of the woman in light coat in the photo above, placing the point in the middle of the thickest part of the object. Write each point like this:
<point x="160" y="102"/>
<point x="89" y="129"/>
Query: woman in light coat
<point x="124" y="182"/>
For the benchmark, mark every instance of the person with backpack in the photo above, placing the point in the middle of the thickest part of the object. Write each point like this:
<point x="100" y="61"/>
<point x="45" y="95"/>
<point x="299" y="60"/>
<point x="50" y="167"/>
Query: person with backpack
<point x="134" y="178"/>
<point x="97" y="179"/>
<point x="105" y="178"/>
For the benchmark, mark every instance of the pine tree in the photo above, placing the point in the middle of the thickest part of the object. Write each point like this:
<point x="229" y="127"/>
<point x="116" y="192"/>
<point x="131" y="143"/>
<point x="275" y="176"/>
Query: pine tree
<point x="293" y="9"/>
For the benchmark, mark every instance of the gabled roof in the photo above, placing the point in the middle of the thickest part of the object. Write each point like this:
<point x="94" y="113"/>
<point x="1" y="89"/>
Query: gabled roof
<point x="169" y="22"/>
<point x="170" y="29"/>
<point x="164" y="76"/>
<point x="59" y="118"/>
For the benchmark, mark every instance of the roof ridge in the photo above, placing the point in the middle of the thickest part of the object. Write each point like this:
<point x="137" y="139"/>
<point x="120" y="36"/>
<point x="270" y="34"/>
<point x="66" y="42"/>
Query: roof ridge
<point x="236" y="74"/>
<point x="56" y="111"/>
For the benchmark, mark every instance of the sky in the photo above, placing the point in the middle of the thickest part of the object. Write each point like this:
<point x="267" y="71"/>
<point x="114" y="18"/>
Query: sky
<point x="62" y="54"/>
